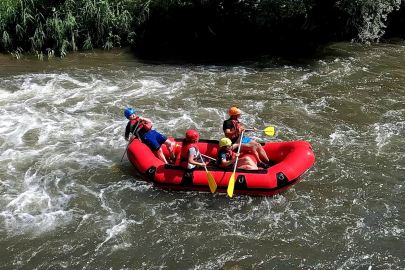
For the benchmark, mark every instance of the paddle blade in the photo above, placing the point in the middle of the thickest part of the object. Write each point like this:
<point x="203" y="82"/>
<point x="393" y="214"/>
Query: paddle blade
<point x="115" y="168"/>
<point x="211" y="182"/>
<point x="231" y="185"/>
<point x="269" y="131"/>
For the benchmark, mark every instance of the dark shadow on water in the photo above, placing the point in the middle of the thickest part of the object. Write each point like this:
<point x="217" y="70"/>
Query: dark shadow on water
<point x="251" y="56"/>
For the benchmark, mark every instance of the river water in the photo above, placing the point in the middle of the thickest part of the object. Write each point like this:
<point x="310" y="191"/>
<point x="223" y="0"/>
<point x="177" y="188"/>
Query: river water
<point x="67" y="202"/>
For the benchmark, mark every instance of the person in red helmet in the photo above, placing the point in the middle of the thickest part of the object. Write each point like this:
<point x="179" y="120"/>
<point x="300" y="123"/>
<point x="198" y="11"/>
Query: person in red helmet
<point x="141" y="128"/>
<point x="233" y="128"/>
<point x="190" y="154"/>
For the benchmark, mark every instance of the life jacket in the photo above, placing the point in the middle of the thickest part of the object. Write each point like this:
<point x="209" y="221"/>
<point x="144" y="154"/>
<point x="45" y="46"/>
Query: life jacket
<point x="229" y="155"/>
<point x="236" y="125"/>
<point x="184" y="154"/>
<point x="137" y="126"/>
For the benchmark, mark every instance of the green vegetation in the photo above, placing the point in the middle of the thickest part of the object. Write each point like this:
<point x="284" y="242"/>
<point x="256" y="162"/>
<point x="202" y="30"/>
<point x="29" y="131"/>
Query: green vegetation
<point x="55" y="27"/>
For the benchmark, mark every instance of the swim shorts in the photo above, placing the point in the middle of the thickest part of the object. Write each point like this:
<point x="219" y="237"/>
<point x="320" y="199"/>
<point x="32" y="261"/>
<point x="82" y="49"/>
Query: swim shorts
<point x="154" y="140"/>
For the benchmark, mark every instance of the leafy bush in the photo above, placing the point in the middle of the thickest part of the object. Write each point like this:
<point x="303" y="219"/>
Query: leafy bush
<point x="49" y="27"/>
<point x="369" y="17"/>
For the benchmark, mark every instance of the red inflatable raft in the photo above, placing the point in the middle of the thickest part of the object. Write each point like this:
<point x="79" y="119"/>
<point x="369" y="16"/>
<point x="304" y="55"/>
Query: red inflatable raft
<point x="291" y="161"/>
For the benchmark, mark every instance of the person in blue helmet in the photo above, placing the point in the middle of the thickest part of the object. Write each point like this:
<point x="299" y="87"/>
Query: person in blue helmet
<point x="141" y="128"/>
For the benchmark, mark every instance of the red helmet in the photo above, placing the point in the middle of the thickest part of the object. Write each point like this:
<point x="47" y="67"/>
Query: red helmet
<point x="192" y="135"/>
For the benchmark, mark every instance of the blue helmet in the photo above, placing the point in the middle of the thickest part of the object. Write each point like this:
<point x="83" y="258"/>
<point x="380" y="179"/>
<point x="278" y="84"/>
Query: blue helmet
<point x="128" y="112"/>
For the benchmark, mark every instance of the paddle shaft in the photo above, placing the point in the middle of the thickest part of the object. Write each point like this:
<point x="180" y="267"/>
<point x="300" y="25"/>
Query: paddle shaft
<point x="231" y="183"/>
<point x="236" y="161"/>
<point x="126" y="150"/>
<point x="133" y="137"/>
<point x="177" y="145"/>
<point x="205" y="165"/>
<point x="269" y="131"/>
<point x="208" y="157"/>
<point x="251" y="129"/>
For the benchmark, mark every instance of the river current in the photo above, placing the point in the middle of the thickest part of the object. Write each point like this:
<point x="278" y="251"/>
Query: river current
<point x="67" y="202"/>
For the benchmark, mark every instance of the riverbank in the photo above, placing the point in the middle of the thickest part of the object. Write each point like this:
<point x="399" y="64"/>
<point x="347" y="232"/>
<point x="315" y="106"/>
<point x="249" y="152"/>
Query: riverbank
<point x="54" y="28"/>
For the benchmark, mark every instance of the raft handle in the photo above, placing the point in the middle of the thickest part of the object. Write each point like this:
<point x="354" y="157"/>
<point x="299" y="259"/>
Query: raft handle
<point x="282" y="180"/>
<point x="150" y="173"/>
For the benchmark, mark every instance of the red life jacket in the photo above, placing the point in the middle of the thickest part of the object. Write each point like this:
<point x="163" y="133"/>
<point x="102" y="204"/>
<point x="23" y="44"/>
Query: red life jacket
<point x="236" y="125"/>
<point x="138" y="125"/>
<point x="184" y="154"/>
<point x="229" y="155"/>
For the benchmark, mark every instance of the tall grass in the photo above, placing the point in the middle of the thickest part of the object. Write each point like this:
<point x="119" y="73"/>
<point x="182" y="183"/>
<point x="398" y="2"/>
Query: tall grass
<point x="7" y="8"/>
<point x="64" y="26"/>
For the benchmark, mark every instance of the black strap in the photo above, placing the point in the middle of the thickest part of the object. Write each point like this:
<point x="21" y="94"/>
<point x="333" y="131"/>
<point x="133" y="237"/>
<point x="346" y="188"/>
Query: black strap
<point x="135" y="130"/>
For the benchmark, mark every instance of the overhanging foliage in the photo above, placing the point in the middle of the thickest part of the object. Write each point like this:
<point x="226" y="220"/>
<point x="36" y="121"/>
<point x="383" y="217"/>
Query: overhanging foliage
<point x="46" y="27"/>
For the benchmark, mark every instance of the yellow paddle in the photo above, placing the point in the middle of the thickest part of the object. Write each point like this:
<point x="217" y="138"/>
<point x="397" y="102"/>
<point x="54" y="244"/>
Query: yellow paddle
<point x="268" y="130"/>
<point x="231" y="184"/>
<point x="211" y="181"/>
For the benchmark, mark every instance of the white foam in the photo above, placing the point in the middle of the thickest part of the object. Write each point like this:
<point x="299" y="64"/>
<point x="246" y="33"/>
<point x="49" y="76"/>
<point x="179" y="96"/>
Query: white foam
<point x="60" y="134"/>
<point x="117" y="230"/>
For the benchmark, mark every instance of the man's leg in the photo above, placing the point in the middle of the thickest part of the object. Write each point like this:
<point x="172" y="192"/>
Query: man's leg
<point x="261" y="151"/>
<point x="246" y="163"/>
<point x="169" y="147"/>
<point x="160" y="155"/>
<point x="251" y="148"/>
<point x="150" y="140"/>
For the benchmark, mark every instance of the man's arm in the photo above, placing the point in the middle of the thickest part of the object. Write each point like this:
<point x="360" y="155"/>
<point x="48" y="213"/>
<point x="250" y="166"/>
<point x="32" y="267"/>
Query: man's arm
<point x="145" y="119"/>
<point x="127" y="132"/>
